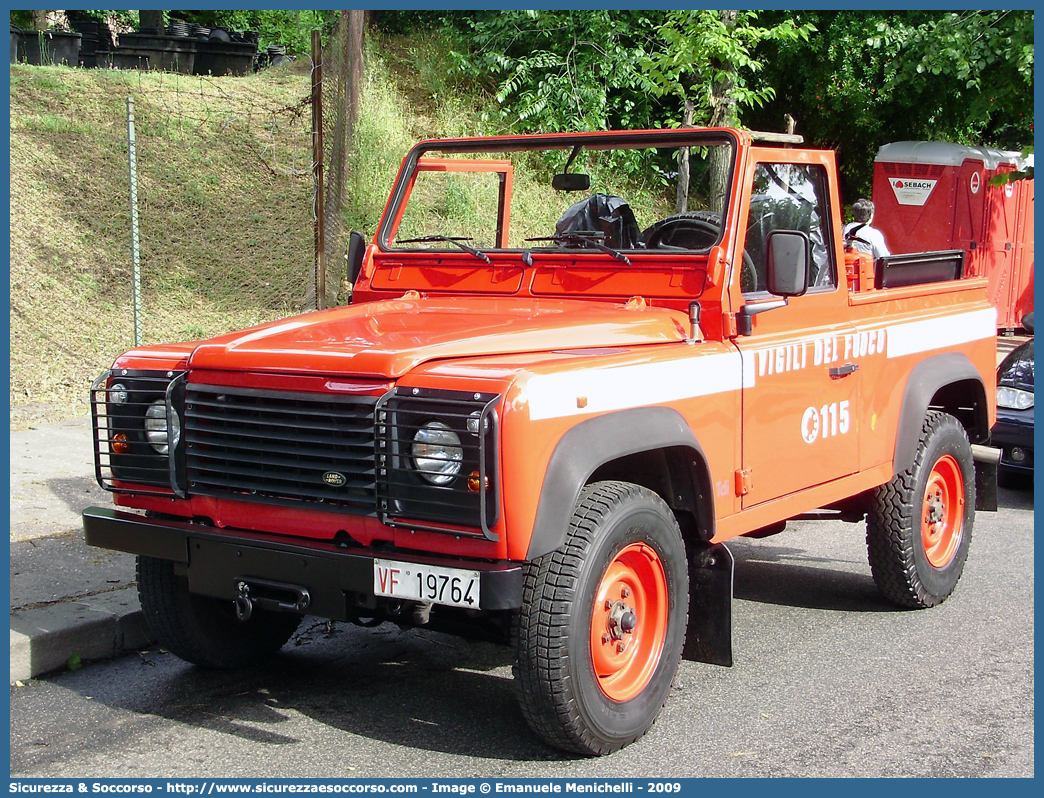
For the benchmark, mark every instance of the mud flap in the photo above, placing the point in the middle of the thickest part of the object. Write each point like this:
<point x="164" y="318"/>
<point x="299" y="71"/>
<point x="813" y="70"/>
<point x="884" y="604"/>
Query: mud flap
<point x="987" y="461"/>
<point x="709" y="637"/>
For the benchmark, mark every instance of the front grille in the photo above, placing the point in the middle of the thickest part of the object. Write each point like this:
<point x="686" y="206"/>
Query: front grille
<point x="281" y="448"/>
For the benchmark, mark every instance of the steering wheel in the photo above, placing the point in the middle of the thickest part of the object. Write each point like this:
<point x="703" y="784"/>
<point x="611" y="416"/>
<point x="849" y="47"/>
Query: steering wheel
<point x="696" y="231"/>
<point x="748" y="275"/>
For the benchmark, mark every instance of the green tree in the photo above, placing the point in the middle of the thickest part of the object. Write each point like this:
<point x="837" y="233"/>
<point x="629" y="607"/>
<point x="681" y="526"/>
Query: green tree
<point x="969" y="67"/>
<point x="559" y="70"/>
<point x="706" y="60"/>
<point x="871" y="77"/>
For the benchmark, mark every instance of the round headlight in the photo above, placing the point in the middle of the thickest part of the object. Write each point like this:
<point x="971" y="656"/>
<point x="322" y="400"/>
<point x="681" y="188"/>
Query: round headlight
<point x="437" y="453"/>
<point x="117" y="394"/>
<point x="156" y="426"/>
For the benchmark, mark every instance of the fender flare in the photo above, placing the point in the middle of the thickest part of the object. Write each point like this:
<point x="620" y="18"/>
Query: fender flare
<point x="597" y="441"/>
<point x="925" y="380"/>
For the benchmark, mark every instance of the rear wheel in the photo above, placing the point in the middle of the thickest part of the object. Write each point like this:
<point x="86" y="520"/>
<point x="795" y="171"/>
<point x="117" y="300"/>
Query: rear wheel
<point x="601" y="628"/>
<point x="205" y="631"/>
<point x="919" y="527"/>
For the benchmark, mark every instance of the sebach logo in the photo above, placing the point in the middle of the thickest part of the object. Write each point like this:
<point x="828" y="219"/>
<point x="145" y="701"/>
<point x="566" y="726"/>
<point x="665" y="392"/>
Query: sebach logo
<point x="911" y="192"/>
<point x="924" y="185"/>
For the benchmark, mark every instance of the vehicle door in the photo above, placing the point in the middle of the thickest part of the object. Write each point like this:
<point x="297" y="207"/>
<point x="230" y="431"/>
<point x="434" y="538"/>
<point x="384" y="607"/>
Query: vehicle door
<point x="800" y="385"/>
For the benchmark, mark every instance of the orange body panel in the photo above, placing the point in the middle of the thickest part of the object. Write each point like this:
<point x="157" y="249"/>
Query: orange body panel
<point x="801" y="413"/>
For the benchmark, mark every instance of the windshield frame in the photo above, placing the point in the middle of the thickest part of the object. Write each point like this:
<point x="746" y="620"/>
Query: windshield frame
<point x="490" y="147"/>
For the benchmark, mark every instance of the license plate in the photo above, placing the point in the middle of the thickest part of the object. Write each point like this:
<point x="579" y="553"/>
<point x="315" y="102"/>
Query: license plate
<point x="452" y="586"/>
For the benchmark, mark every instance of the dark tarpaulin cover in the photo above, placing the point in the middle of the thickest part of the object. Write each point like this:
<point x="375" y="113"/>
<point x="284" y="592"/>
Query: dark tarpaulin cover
<point x="602" y="213"/>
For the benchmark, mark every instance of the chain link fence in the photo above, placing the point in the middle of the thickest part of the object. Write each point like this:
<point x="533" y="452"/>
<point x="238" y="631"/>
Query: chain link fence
<point x="225" y="198"/>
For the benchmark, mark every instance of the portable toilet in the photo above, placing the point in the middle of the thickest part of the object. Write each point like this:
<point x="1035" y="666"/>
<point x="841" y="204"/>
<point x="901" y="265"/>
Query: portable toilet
<point x="931" y="195"/>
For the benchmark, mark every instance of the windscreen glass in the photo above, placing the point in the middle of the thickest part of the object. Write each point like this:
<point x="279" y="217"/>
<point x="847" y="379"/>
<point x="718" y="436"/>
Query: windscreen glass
<point x="458" y="205"/>
<point x="663" y="198"/>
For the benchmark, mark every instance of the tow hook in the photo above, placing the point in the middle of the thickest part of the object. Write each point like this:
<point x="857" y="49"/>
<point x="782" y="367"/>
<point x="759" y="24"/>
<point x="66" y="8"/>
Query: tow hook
<point x="244" y="604"/>
<point x="271" y="596"/>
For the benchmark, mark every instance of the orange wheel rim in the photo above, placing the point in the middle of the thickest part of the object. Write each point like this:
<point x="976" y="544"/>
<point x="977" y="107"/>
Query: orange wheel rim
<point x="942" y="512"/>
<point x="629" y="622"/>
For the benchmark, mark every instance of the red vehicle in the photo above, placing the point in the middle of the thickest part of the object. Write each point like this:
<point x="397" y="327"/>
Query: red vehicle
<point x="936" y="195"/>
<point x="540" y="421"/>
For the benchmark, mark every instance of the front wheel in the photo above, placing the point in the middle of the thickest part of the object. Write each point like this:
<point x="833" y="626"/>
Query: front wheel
<point x="602" y="624"/>
<point x="919" y="527"/>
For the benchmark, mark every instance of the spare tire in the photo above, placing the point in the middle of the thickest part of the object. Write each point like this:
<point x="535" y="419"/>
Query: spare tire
<point x="695" y="230"/>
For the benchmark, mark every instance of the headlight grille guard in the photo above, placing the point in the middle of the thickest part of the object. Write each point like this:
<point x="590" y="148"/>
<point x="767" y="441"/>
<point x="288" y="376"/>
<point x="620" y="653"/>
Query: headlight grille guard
<point x="141" y="466"/>
<point x="402" y="498"/>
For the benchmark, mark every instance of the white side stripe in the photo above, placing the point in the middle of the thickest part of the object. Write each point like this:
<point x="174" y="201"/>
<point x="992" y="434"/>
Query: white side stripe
<point x="607" y="389"/>
<point x="941" y="332"/>
<point x="602" y="390"/>
<point x="750" y="368"/>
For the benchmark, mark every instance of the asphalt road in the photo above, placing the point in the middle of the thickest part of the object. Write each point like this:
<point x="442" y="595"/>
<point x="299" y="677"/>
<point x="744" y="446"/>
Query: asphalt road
<point x="829" y="680"/>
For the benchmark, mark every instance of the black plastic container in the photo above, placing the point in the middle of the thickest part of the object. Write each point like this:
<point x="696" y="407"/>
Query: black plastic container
<point x="276" y="54"/>
<point x="160" y="52"/>
<point x="225" y="58"/>
<point x="178" y="27"/>
<point x="119" y="59"/>
<point x="51" y="47"/>
<point x="88" y="30"/>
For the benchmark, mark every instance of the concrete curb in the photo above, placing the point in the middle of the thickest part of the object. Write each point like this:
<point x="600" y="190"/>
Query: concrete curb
<point x="95" y="627"/>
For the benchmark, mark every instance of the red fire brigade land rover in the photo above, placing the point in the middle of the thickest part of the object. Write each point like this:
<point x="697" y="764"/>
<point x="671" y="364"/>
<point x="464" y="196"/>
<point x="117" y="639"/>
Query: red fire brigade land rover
<point x="545" y="412"/>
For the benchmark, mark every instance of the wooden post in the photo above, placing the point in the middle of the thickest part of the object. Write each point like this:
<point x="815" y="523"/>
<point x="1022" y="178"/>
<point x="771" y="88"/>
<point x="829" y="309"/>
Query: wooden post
<point x="354" y="74"/>
<point x="317" y="168"/>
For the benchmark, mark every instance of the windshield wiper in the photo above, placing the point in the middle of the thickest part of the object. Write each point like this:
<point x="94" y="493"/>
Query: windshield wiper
<point x="587" y="237"/>
<point x="455" y="240"/>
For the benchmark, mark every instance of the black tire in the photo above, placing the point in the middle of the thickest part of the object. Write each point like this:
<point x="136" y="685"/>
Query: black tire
<point x="202" y="630"/>
<point x="898" y="546"/>
<point x="561" y="696"/>
<point x="697" y="231"/>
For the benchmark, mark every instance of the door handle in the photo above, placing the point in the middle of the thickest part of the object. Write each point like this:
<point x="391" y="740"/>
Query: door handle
<point x="837" y="372"/>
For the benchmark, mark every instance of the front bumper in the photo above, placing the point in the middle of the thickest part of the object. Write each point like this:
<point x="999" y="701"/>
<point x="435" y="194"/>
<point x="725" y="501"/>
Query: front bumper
<point x="1014" y="431"/>
<point x="337" y="580"/>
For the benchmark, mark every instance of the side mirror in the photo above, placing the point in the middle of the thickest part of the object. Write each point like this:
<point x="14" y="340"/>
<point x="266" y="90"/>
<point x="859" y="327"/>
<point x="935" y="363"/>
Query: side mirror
<point x="571" y="182"/>
<point x="1027" y="322"/>
<point x="354" y="256"/>
<point x="789" y="257"/>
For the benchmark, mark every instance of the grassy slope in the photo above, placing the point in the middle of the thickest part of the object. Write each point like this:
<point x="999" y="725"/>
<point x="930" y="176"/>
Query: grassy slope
<point x="224" y="196"/>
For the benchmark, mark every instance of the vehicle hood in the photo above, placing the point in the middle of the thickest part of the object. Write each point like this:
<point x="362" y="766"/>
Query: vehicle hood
<point x="390" y="337"/>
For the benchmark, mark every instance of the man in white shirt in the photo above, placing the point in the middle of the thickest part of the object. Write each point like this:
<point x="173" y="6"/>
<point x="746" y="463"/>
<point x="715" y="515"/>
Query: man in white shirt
<point x="861" y="235"/>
